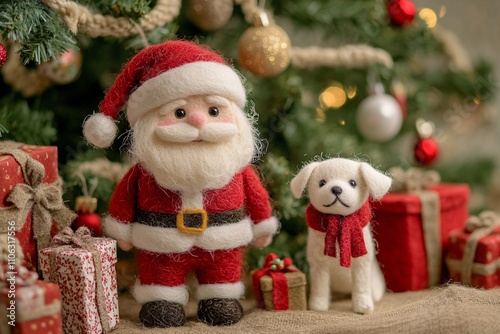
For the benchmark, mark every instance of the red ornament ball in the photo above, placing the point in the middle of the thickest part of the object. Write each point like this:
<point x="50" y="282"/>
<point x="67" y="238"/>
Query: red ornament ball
<point x="85" y="206"/>
<point x="3" y="55"/>
<point x="401" y="12"/>
<point x="92" y="221"/>
<point x="426" y="151"/>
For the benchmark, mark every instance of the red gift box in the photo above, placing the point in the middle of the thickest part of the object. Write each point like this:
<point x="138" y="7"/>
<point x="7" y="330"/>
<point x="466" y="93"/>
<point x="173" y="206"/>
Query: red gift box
<point x="279" y="286"/>
<point x="12" y="175"/>
<point x="84" y="268"/>
<point x="473" y="256"/>
<point x="410" y="249"/>
<point x="37" y="307"/>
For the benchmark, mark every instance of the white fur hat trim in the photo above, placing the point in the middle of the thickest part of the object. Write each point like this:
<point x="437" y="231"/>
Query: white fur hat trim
<point x="198" y="78"/>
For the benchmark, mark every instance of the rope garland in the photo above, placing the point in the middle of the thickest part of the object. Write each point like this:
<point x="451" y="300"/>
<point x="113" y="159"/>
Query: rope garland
<point x="80" y="19"/>
<point x="350" y="56"/>
<point x="25" y="81"/>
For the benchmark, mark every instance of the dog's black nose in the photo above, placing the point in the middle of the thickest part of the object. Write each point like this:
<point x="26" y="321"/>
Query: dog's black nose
<point x="336" y="190"/>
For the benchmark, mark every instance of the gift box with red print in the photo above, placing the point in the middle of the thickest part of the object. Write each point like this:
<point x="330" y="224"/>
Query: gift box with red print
<point x="28" y="305"/>
<point x="84" y="269"/>
<point x="279" y="285"/>
<point x="411" y="227"/>
<point x="473" y="257"/>
<point x="30" y="196"/>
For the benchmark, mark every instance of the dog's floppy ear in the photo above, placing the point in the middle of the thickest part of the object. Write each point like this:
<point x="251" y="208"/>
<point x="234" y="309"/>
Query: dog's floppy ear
<point x="299" y="182"/>
<point x="377" y="182"/>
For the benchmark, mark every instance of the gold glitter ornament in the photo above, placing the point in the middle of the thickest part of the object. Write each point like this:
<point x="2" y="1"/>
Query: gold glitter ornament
<point x="264" y="49"/>
<point x="210" y="15"/>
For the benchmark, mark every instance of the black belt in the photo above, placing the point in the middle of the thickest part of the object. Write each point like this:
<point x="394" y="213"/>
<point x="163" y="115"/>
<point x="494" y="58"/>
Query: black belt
<point x="190" y="221"/>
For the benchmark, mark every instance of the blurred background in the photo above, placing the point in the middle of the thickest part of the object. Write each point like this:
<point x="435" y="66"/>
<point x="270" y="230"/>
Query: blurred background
<point x="398" y="83"/>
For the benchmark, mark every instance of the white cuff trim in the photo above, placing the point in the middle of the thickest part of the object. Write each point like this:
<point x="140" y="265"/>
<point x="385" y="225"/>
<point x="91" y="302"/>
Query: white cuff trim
<point x="224" y="290"/>
<point x="117" y="230"/>
<point x="268" y="226"/>
<point x="149" y="293"/>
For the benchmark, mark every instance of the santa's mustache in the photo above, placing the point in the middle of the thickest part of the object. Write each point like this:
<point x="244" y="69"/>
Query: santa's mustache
<point x="185" y="133"/>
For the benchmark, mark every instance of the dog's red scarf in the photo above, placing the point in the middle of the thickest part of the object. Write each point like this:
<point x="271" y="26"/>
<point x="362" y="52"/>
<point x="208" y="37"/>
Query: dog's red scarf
<point x="348" y="230"/>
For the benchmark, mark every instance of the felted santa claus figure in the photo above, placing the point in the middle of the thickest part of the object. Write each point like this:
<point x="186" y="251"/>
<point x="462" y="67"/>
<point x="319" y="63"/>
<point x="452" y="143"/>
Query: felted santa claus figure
<point x="192" y="202"/>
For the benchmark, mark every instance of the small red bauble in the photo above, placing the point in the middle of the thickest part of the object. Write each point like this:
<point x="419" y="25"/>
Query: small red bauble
<point x="92" y="221"/>
<point x="3" y="55"/>
<point x="401" y="12"/>
<point x="426" y="151"/>
<point x="85" y="207"/>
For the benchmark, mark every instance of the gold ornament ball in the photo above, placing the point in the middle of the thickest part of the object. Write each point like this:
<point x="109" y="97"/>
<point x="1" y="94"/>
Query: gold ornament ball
<point x="210" y="15"/>
<point x="264" y="51"/>
<point x="63" y="70"/>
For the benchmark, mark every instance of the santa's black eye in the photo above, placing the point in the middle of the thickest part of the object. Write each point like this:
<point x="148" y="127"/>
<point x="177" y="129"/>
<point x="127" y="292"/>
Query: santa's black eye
<point x="213" y="111"/>
<point x="353" y="183"/>
<point x="180" y="113"/>
<point x="322" y="183"/>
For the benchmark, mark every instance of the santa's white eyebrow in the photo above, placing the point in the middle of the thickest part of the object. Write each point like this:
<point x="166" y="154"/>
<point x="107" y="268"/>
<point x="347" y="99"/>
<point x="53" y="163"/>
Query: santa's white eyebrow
<point x="217" y="100"/>
<point x="168" y="107"/>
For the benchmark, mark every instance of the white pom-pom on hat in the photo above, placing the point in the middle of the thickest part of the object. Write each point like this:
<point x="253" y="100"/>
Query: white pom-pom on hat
<point x="100" y="130"/>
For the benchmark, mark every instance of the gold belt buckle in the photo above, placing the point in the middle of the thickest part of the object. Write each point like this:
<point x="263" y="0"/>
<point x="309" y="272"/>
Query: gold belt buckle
<point x="179" y="221"/>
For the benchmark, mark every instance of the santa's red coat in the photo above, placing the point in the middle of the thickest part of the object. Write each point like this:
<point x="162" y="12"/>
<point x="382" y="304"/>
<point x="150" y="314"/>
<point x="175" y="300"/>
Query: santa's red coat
<point x="139" y="190"/>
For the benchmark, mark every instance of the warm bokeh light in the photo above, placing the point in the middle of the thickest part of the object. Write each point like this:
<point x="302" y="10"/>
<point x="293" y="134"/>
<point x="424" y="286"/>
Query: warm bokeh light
<point x="351" y="91"/>
<point x="442" y="11"/>
<point x="333" y="97"/>
<point x="429" y="16"/>
<point x="320" y="115"/>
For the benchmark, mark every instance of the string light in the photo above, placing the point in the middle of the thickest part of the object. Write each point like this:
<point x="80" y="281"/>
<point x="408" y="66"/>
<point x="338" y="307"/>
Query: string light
<point x="429" y="16"/>
<point x="442" y="11"/>
<point x="333" y="97"/>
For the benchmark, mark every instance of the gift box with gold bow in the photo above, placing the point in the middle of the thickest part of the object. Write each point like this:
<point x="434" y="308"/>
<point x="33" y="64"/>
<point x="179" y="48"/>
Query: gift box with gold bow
<point x="473" y="257"/>
<point x="84" y="269"/>
<point x="279" y="285"/>
<point x="31" y="203"/>
<point x="411" y="226"/>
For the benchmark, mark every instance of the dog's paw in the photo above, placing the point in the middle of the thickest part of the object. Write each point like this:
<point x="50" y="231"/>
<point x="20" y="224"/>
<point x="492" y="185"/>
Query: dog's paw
<point x="319" y="304"/>
<point x="362" y="305"/>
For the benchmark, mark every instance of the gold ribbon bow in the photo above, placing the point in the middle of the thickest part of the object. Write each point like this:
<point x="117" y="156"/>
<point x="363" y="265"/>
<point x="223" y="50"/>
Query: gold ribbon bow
<point x="82" y="238"/>
<point x="418" y="181"/>
<point x="478" y="227"/>
<point x="413" y="179"/>
<point x="43" y="200"/>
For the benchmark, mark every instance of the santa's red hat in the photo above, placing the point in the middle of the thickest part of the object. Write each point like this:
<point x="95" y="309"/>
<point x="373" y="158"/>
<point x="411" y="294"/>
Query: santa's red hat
<point x="159" y="74"/>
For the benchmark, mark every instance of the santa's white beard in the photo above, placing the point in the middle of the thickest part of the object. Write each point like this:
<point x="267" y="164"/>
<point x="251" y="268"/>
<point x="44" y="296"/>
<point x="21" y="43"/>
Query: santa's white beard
<point x="194" y="166"/>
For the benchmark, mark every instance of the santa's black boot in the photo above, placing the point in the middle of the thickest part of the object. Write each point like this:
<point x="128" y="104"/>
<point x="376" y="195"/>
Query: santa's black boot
<point x="220" y="311"/>
<point x="162" y="313"/>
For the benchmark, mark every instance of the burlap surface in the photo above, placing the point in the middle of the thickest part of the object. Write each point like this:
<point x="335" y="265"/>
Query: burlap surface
<point x="451" y="309"/>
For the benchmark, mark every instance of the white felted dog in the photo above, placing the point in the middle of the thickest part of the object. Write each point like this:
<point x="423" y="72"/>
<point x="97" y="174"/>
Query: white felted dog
<point x="340" y="247"/>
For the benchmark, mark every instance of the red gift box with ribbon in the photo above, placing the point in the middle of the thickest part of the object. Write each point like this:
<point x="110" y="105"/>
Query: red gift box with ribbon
<point x="473" y="257"/>
<point x="411" y="226"/>
<point x="28" y="305"/>
<point x="30" y="197"/>
<point x="84" y="269"/>
<point x="279" y="285"/>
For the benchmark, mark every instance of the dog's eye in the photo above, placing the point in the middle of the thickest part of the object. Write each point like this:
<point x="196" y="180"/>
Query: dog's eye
<point x="352" y="183"/>
<point x="322" y="183"/>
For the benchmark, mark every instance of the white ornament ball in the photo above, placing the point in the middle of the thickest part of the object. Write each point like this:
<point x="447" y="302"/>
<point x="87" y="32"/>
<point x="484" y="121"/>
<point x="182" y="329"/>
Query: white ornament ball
<point x="379" y="117"/>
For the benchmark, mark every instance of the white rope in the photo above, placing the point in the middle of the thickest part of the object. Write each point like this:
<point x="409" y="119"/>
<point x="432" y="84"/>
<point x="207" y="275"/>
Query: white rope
<point x="350" y="56"/>
<point x="80" y="19"/>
